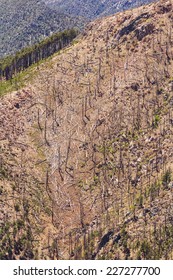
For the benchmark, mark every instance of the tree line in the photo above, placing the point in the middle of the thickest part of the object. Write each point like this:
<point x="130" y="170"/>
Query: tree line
<point x="13" y="64"/>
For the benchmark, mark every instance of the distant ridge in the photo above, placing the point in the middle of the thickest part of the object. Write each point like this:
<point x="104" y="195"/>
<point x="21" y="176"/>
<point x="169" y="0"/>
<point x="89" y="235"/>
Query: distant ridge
<point x="24" y="23"/>
<point x="94" y="8"/>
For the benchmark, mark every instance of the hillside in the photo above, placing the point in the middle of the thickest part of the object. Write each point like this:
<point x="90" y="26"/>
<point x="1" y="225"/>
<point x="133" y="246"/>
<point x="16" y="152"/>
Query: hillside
<point x="24" y="23"/>
<point x="11" y="65"/>
<point x="94" y="8"/>
<point x="86" y="150"/>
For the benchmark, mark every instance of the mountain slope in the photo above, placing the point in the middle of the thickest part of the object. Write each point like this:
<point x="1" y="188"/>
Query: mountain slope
<point x="92" y="9"/>
<point x="86" y="163"/>
<point x="26" y="22"/>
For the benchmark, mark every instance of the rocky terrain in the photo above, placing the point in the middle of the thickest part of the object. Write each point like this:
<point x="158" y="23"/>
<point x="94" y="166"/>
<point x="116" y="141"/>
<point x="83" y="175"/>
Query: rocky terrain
<point x="86" y="147"/>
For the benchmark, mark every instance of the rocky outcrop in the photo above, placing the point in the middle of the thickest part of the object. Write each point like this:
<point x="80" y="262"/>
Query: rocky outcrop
<point x="144" y="30"/>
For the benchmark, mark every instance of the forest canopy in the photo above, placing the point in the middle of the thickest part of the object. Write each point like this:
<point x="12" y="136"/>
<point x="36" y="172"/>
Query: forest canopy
<point x="13" y="64"/>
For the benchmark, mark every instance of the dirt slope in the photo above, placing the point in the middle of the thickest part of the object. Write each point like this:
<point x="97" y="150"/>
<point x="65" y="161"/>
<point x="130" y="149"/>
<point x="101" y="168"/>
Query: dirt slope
<point x="97" y="123"/>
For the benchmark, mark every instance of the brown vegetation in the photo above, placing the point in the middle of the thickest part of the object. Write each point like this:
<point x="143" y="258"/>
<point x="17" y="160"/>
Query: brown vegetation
<point x="89" y="145"/>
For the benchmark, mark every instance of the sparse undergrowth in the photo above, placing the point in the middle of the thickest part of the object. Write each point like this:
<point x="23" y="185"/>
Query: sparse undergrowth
<point x="86" y="149"/>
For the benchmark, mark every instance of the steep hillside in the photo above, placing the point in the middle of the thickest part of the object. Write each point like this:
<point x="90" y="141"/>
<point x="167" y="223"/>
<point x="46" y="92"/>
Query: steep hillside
<point x="23" y="23"/>
<point x="94" y="8"/>
<point x="86" y="162"/>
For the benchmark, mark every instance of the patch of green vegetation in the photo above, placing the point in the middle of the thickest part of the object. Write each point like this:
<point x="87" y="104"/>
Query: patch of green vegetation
<point x="80" y="184"/>
<point x="17" y="207"/>
<point x="156" y="121"/>
<point x="15" y="239"/>
<point x="145" y="251"/>
<point x="159" y="246"/>
<point x="17" y="70"/>
<point x="74" y="42"/>
<point x="167" y="177"/>
<point x="11" y="65"/>
<point x="3" y="172"/>
<point x="19" y="81"/>
<point x="140" y="200"/>
<point x="154" y="190"/>
<point x="124" y="242"/>
<point x="94" y="234"/>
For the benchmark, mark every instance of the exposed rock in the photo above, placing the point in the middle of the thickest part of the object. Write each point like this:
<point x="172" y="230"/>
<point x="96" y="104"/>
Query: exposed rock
<point x="144" y="30"/>
<point x="132" y="25"/>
